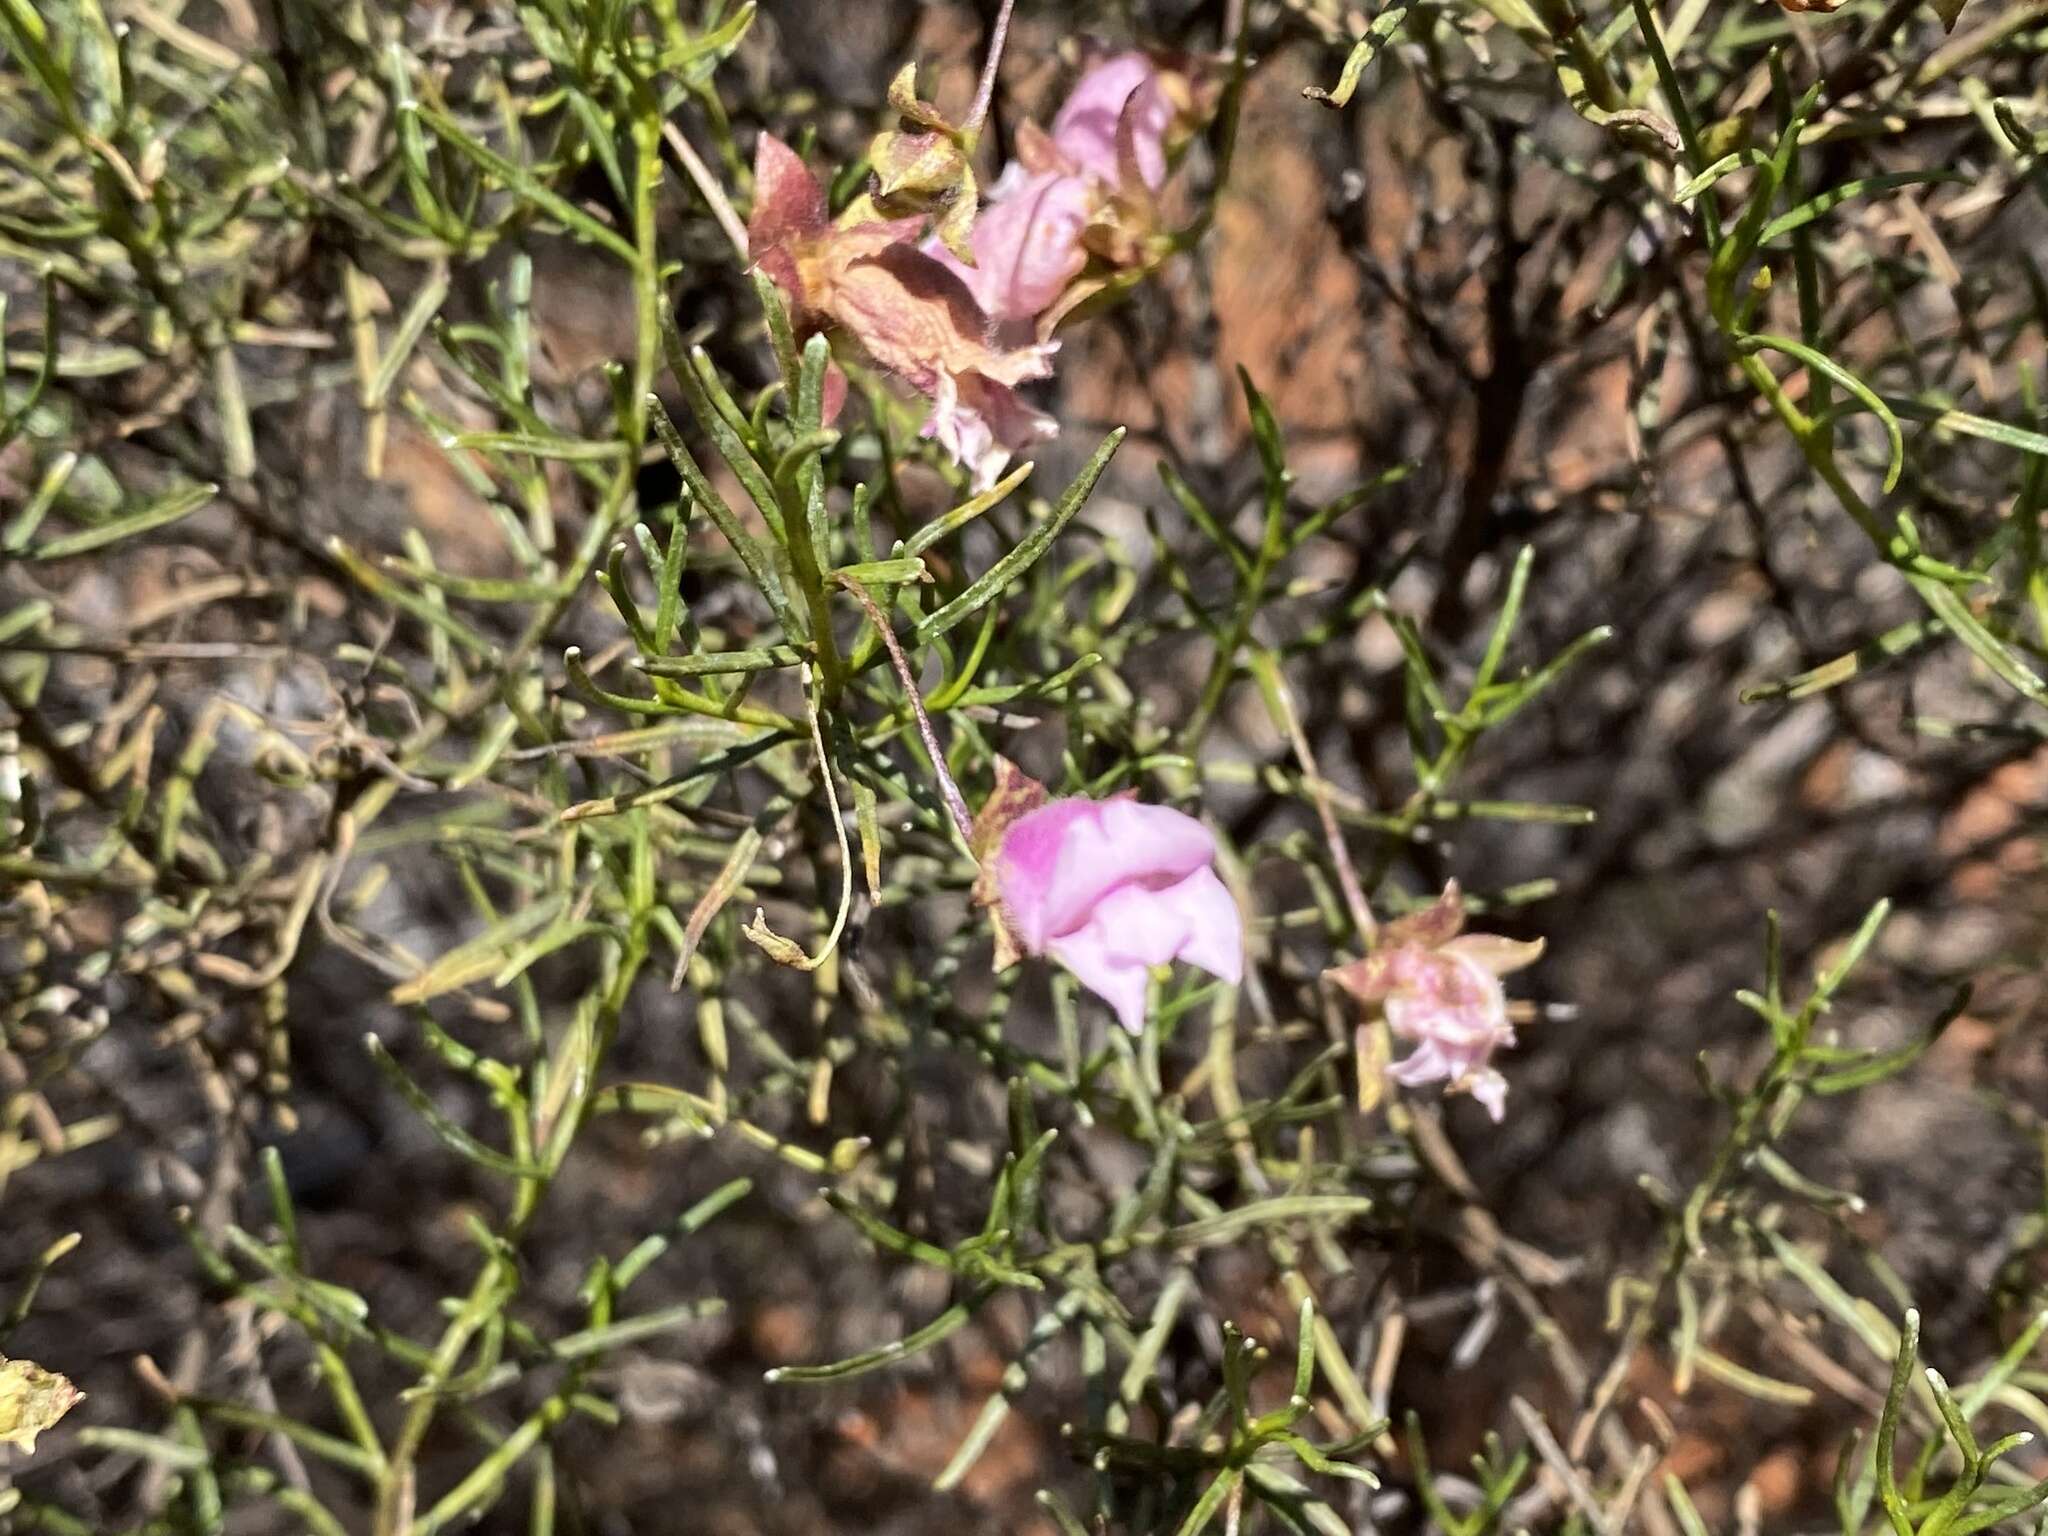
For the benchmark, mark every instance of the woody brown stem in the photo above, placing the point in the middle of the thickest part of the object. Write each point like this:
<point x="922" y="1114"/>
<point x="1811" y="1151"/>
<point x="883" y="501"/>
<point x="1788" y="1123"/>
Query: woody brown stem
<point x="985" y="93"/>
<point x="956" y="804"/>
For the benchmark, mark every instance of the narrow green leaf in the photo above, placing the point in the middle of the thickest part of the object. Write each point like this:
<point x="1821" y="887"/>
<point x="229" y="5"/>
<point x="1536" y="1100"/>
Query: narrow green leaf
<point x="1383" y="28"/>
<point x="1947" y="419"/>
<point x="1752" y="1383"/>
<point x="518" y="179"/>
<point x="481" y="956"/>
<point x="1835" y="196"/>
<point x="1822" y="364"/>
<point x="168" y="509"/>
<point x="998" y="578"/>
<point x="446" y="1131"/>
<point x="1741" y="159"/>
<point x="939" y="1329"/>
<point x="1954" y="611"/>
<point x="1206" y="1507"/>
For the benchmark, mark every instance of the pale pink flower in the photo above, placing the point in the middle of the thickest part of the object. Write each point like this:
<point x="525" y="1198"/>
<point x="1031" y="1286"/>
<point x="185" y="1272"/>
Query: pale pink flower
<point x="1125" y="94"/>
<point x="1085" y="189"/>
<point x="1111" y="888"/>
<point x="1026" y="241"/>
<point x="1439" y="988"/>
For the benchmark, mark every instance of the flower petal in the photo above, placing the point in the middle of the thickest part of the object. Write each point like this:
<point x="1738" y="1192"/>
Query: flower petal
<point x="1369" y="980"/>
<point x="982" y="424"/>
<point x="1085" y="130"/>
<point x="1436" y="924"/>
<point x="1494" y="953"/>
<point x="1145" y="926"/>
<point x="1112" y="888"/>
<point x="1115" y="978"/>
<point x="1425" y="1064"/>
<point x="789" y="203"/>
<point x="1215" y="940"/>
<point x="1027" y="241"/>
<point x="1026" y="863"/>
<point x="909" y="313"/>
<point x="1125" y="842"/>
<point x="964" y="433"/>
<point x="1454" y="1002"/>
<point x="1490" y="1089"/>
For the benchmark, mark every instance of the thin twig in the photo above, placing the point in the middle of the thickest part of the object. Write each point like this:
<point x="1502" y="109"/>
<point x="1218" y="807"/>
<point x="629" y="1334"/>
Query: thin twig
<point x="1319" y="791"/>
<point x="708" y="188"/>
<point x="1560" y="1465"/>
<point x="956" y="804"/>
<point x="985" y="93"/>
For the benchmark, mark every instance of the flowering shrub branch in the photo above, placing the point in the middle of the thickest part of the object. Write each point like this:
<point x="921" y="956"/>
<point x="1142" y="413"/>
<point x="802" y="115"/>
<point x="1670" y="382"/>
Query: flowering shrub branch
<point x="455" y="570"/>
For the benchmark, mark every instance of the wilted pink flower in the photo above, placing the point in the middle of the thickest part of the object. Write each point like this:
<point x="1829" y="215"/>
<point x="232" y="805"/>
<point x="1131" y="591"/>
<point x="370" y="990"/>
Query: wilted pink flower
<point x="1111" y="888"/>
<point x="906" y="310"/>
<point x="1440" y="989"/>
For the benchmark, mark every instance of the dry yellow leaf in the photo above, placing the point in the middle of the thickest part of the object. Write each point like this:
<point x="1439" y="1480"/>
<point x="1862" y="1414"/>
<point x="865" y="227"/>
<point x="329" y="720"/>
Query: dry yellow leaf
<point x="31" y="1401"/>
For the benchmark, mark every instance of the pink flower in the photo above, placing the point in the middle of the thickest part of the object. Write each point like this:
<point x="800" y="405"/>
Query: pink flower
<point x="1026" y="241"/>
<point x="1126" y="93"/>
<point x="1111" y="888"/>
<point x="1084" y="190"/>
<point x="1440" y="989"/>
<point x="909" y="312"/>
